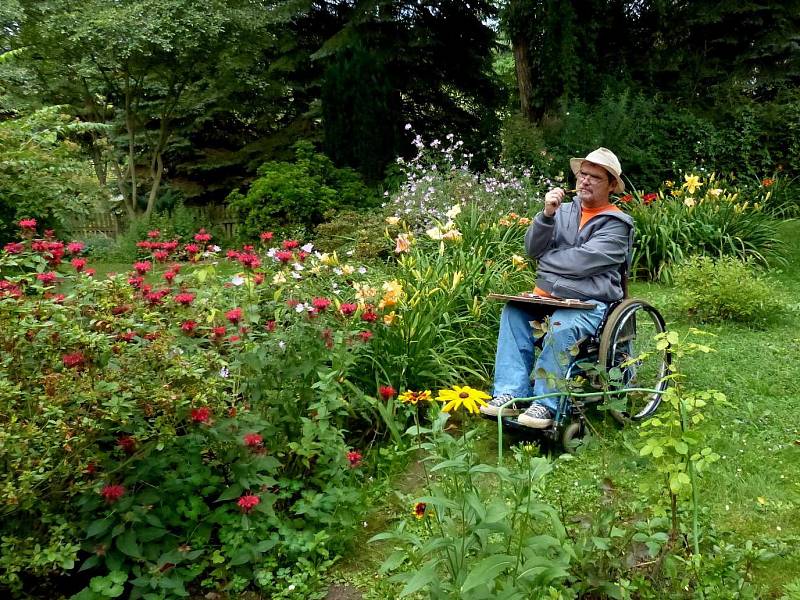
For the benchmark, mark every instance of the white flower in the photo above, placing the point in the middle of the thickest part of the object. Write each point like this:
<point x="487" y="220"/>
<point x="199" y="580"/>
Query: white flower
<point x="408" y="126"/>
<point x="307" y="248"/>
<point x="214" y="248"/>
<point x="291" y="587"/>
<point x="350" y="252"/>
<point x="223" y="372"/>
<point x="271" y="252"/>
<point x="298" y="267"/>
<point x="237" y="280"/>
<point x="296" y="275"/>
<point x="299" y="307"/>
<point x="337" y="271"/>
<point x="279" y="278"/>
<point x="362" y="270"/>
<point x="281" y="344"/>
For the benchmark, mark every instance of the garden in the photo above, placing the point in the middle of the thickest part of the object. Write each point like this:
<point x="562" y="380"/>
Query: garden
<point x="247" y="257"/>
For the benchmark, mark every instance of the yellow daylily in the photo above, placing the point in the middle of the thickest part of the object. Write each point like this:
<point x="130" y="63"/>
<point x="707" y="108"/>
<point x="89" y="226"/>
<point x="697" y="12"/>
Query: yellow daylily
<point x="692" y="183"/>
<point x="465" y="396"/>
<point x="392" y="220"/>
<point x="518" y="261"/>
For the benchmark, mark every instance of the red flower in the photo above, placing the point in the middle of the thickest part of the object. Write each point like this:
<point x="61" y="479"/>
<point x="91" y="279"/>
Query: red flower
<point x="290" y="244"/>
<point x="284" y="256"/>
<point x="234" y="316"/>
<point x="74" y="360"/>
<point x="250" y="260"/>
<point x="271" y="325"/>
<point x="153" y="234"/>
<point x="192" y="248"/>
<point x="112" y="493"/>
<point x="48" y="278"/>
<point x="120" y="310"/>
<point x="365" y="336"/>
<point x="258" y="278"/>
<point x="766" y="182"/>
<point x="75" y="247"/>
<point x="184" y="298"/>
<point x="142" y="267"/>
<point x="78" y="263"/>
<point x="233" y="339"/>
<point x="189" y="326"/>
<point x="128" y="336"/>
<point x="248" y="502"/>
<point x="626" y="198"/>
<point x="14" y="247"/>
<point x="266" y="236"/>
<point x="127" y="444"/>
<point x="232" y="255"/>
<point x="161" y="255"/>
<point x="348" y="309"/>
<point x="253" y="440"/>
<point x="302" y="255"/>
<point x="648" y="198"/>
<point x="90" y="272"/>
<point x="320" y="304"/>
<point x="218" y="332"/>
<point x="369" y="315"/>
<point x="202" y="236"/>
<point x="387" y="392"/>
<point x="201" y="415"/>
<point x="354" y="457"/>
<point x="169" y="276"/>
<point x="29" y="224"/>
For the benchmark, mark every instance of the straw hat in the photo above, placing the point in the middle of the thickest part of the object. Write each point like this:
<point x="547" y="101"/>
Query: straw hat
<point x="604" y="158"/>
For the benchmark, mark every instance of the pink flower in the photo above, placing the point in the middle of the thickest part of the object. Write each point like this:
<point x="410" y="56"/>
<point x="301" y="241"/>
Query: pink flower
<point x="161" y="255"/>
<point x="266" y="236"/>
<point x="153" y="234"/>
<point x="169" y="276"/>
<point x="90" y="272"/>
<point x="14" y="247"/>
<point x="201" y="415"/>
<point x="48" y="278"/>
<point x="202" y="236"/>
<point x="78" y="263"/>
<point x="112" y="493"/>
<point x="142" y="267"/>
<point x="128" y="336"/>
<point x="387" y="391"/>
<point x="270" y="325"/>
<point x="184" y="298"/>
<point x="28" y="224"/>
<point x="192" y="248"/>
<point x="218" y="332"/>
<point x="248" y="502"/>
<point x="75" y="247"/>
<point x="290" y="244"/>
<point x="284" y="256"/>
<point x="234" y="316"/>
<point x="365" y="336"/>
<point x="253" y="440"/>
<point x="348" y="309"/>
<point x="354" y="457"/>
<point x="320" y="304"/>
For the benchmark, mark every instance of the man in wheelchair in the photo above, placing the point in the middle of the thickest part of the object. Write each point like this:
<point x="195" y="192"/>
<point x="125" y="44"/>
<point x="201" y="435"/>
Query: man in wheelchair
<point x="583" y="248"/>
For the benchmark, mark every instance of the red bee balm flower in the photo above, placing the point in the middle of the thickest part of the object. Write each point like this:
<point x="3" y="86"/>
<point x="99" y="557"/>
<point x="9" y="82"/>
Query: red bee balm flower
<point x="48" y="278"/>
<point x="289" y="244"/>
<point x="29" y="224"/>
<point x="253" y="440"/>
<point x="354" y="457"/>
<point x="248" y="502"/>
<point x="365" y="336"/>
<point x="320" y="303"/>
<point x="127" y="444"/>
<point x="74" y="360"/>
<point x="142" y="267"/>
<point x="348" y="309"/>
<point x="78" y="263"/>
<point x="201" y="415"/>
<point x="266" y="236"/>
<point x="112" y="493"/>
<point x="234" y="316"/>
<point x="153" y="234"/>
<point x="202" y="236"/>
<point x="189" y="326"/>
<point x="284" y="256"/>
<point x="369" y="315"/>
<point x="387" y="391"/>
<point x="75" y="247"/>
<point x="184" y="298"/>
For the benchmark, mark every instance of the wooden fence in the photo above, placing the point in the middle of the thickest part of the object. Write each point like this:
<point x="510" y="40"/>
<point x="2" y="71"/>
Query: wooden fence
<point x="216" y="215"/>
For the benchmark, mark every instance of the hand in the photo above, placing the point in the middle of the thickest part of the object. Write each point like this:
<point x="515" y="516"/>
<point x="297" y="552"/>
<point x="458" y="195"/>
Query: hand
<point x="552" y="200"/>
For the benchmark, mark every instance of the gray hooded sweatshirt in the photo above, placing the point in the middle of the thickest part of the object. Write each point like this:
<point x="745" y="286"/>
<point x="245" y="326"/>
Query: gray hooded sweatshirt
<point x="581" y="264"/>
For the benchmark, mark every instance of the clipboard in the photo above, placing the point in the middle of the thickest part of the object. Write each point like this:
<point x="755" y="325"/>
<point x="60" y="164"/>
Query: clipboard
<point x="531" y="298"/>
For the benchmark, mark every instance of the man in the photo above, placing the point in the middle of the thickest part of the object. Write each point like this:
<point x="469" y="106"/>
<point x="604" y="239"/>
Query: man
<point x="582" y="247"/>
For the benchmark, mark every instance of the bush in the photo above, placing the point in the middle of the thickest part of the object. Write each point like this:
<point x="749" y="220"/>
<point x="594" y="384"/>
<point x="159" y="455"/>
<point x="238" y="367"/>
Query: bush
<point x="725" y="288"/>
<point x="299" y="193"/>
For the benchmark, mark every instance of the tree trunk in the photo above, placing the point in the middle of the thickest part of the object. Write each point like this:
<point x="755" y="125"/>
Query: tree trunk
<point x="523" y="69"/>
<point x="130" y="126"/>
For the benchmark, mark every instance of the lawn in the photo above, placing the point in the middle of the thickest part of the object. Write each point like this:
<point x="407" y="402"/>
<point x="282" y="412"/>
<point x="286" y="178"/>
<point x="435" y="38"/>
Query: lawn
<point x="749" y="499"/>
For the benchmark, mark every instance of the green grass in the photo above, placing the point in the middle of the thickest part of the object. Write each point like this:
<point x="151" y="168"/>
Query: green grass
<point x="751" y="494"/>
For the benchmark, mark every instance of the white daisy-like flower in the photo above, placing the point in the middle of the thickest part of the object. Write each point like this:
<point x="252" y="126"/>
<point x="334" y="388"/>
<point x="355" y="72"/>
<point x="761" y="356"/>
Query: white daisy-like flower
<point x="337" y="271"/>
<point x="362" y="270"/>
<point x="300" y="308"/>
<point x="307" y="247"/>
<point x="237" y="280"/>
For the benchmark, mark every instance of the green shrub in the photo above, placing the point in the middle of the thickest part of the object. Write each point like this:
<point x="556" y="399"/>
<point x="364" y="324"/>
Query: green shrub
<point x="723" y="289"/>
<point x="353" y="230"/>
<point x="298" y="193"/>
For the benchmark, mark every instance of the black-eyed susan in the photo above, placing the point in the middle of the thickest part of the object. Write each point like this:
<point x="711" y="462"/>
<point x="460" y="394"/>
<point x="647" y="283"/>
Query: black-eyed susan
<point x="419" y="510"/>
<point x="410" y="397"/>
<point x="466" y="396"/>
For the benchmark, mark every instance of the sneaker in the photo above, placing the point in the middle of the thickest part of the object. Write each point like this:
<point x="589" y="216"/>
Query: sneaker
<point x="538" y="416"/>
<point x="492" y="409"/>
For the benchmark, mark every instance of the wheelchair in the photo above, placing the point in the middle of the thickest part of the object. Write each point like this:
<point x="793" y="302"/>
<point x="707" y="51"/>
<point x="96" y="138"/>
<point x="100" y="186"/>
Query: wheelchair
<point x="622" y="355"/>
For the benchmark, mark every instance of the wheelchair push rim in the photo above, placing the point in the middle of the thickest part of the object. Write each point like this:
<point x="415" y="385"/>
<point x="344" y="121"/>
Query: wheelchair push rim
<point x="628" y="343"/>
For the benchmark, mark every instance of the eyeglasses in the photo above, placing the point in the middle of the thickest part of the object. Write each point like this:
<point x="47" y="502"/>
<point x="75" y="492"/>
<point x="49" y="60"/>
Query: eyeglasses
<point x="593" y="179"/>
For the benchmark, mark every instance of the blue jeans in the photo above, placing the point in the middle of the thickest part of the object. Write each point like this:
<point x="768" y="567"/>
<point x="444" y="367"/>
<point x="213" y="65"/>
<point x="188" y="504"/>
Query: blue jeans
<point x="516" y="352"/>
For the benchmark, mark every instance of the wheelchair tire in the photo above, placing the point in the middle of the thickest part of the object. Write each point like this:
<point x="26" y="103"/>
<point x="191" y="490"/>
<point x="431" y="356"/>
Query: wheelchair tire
<point x="629" y="332"/>
<point x="571" y="432"/>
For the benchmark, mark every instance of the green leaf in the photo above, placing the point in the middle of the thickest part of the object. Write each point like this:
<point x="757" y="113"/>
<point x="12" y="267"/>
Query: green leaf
<point x="98" y="528"/>
<point x="681" y="447"/>
<point x="395" y="560"/>
<point x="487" y="570"/>
<point x="127" y="544"/>
<point x="422" y="578"/>
<point x="232" y="492"/>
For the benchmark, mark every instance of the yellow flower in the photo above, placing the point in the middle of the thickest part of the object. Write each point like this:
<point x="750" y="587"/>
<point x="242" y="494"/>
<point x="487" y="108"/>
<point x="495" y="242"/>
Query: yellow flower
<point x="454" y="211"/>
<point x="692" y="183"/>
<point x="410" y="397"/>
<point x="454" y="235"/>
<point x="330" y="260"/>
<point x="715" y="192"/>
<point x="279" y="278"/>
<point x="690" y="202"/>
<point x="466" y="396"/>
<point x="668" y="183"/>
<point x="419" y="510"/>
<point x="434" y="233"/>
<point x="392" y="220"/>
<point x="390" y="318"/>
<point x="518" y="261"/>
<point x="525" y="221"/>
<point x="364" y="291"/>
<point x="393" y="291"/>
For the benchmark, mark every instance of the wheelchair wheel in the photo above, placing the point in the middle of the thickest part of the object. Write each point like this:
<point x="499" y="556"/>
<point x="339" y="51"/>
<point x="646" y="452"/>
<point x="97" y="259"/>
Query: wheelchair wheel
<point x="628" y="343"/>
<point x="572" y="432"/>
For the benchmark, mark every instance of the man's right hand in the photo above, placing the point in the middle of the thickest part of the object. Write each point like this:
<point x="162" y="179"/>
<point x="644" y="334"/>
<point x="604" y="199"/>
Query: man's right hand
<point x="552" y="200"/>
